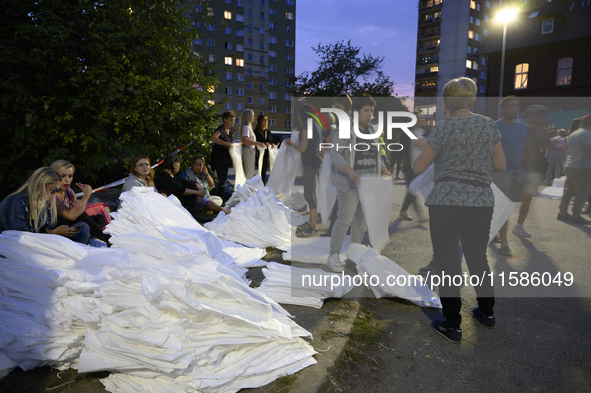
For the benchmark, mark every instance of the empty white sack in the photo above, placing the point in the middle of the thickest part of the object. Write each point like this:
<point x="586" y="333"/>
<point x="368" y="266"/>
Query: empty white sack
<point x="375" y="195"/>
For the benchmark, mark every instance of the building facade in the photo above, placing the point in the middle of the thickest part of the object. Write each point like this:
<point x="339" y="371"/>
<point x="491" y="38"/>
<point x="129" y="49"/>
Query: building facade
<point x="254" y="42"/>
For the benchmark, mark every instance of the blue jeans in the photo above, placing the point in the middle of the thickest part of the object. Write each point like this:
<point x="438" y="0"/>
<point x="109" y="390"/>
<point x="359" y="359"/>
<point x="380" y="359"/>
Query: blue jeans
<point x="82" y="235"/>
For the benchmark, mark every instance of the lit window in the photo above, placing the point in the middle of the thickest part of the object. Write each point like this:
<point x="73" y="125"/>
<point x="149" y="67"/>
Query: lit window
<point x="250" y="100"/>
<point x="239" y="92"/>
<point x="547" y="26"/>
<point x="473" y="4"/>
<point x="240" y="77"/>
<point x="211" y="89"/>
<point x="228" y="90"/>
<point x="272" y="95"/>
<point x="210" y="11"/>
<point x="211" y="58"/>
<point x="272" y="53"/>
<point x="240" y="62"/>
<point x="470" y="34"/>
<point x="227" y="15"/>
<point x="565" y="71"/>
<point x="261" y="101"/>
<point x="228" y="60"/>
<point x="289" y="15"/>
<point x="521" y="71"/>
<point x="468" y="63"/>
<point x="211" y="102"/>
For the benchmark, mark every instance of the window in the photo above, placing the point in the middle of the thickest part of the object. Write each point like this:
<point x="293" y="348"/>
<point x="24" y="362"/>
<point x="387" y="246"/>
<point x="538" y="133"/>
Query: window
<point x="471" y="19"/>
<point x="249" y="57"/>
<point x="486" y="18"/>
<point x="287" y="123"/>
<point x="227" y="15"/>
<point x="250" y="13"/>
<point x="249" y="71"/>
<point x="228" y="45"/>
<point x="468" y="63"/>
<point x="289" y="2"/>
<point x="272" y="40"/>
<point x="288" y="29"/>
<point x="272" y="109"/>
<point x="228" y="1"/>
<point x="262" y="2"/>
<point x="289" y="70"/>
<point x="210" y="42"/>
<point x="262" y="87"/>
<point x="288" y="84"/>
<point x="262" y="73"/>
<point x="249" y="42"/>
<point x="197" y="25"/>
<point x="481" y="102"/>
<point x="521" y="71"/>
<point x="477" y="7"/>
<point x="210" y="27"/>
<point x="211" y="58"/>
<point x="250" y="100"/>
<point x="272" y="53"/>
<point x="228" y="30"/>
<point x="228" y="105"/>
<point x="272" y="82"/>
<point x="273" y="67"/>
<point x="272" y="122"/>
<point x="240" y="106"/>
<point x="249" y="28"/>
<point x="477" y="37"/>
<point x="565" y="71"/>
<point x="482" y="89"/>
<point x="477" y="22"/>
<point x="261" y="30"/>
<point x="240" y="62"/>
<point x="238" y="119"/>
<point x="487" y="3"/>
<point x="228" y="90"/>
<point x="239" y="18"/>
<point x="289" y="56"/>
<point x="262" y="59"/>
<point x="272" y="95"/>
<point x="239" y="48"/>
<point x="209" y="11"/>
<point x="272" y="26"/>
<point x="473" y="4"/>
<point x="485" y="32"/>
<point x="211" y="102"/>
<point x="239" y="92"/>
<point x="262" y="16"/>
<point x="470" y="34"/>
<point x="482" y="75"/>
<point x="289" y="43"/>
<point x="469" y="49"/>
<point x="287" y="97"/>
<point x="475" y="65"/>
<point x="228" y="60"/>
<point x="261" y="101"/>
<point x="482" y="61"/>
<point x="288" y="109"/>
<point x="228" y="76"/>
<point x="198" y="41"/>
<point x="272" y="11"/>
<point x="547" y="26"/>
<point x="240" y="3"/>
<point x="250" y="85"/>
<point x="239" y="33"/>
<point x="262" y="45"/>
<point x="240" y="77"/>
<point x="289" y="15"/>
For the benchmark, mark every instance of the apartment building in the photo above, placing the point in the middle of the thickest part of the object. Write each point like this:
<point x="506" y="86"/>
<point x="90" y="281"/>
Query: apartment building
<point x="255" y="45"/>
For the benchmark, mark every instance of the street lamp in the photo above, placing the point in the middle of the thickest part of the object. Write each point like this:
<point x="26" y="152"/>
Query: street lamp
<point x="505" y="16"/>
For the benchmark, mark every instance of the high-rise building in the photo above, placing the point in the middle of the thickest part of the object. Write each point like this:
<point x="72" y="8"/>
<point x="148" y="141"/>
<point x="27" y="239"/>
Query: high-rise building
<point x="450" y="33"/>
<point x="256" y="47"/>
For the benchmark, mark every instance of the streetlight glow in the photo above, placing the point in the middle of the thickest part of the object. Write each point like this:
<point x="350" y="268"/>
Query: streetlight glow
<point x="507" y="15"/>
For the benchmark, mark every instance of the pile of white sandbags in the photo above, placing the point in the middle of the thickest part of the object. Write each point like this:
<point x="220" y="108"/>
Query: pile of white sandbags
<point x="302" y="287"/>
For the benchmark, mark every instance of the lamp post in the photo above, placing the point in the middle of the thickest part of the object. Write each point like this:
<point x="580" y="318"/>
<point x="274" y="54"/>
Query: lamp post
<point x="505" y="16"/>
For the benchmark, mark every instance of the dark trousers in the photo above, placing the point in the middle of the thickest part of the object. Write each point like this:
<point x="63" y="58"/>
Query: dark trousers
<point x="95" y="223"/>
<point x="220" y="166"/>
<point x="409" y="199"/>
<point x="471" y="225"/>
<point x="265" y="166"/>
<point x="578" y="184"/>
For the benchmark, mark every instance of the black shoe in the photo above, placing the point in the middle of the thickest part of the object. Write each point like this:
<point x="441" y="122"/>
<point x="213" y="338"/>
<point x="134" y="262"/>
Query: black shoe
<point x="563" y="217"/>
<point x="486" y="321"/>
<point x="579" y="220"/>
<point x="310" y="231"/>
<point x="326" y="234"/>
<point x="451" y="335"/>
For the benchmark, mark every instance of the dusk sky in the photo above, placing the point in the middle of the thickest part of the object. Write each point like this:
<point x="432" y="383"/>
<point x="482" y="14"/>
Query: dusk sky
<point x="380" y="28"/>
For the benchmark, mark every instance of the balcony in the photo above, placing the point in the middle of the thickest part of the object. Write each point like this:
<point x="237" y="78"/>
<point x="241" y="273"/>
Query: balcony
<point x="426" y="75"/>
<point x="428" y="48"/>
<point x="429" y="20"/>
<point x="432" y="33"/>
<point x="429" y="60"/>
<point x="429" y="7"/>
<point x="426" y="88"/>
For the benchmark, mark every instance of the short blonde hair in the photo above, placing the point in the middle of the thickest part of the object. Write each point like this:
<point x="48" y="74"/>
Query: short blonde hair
<point x="459" y="93"/>
<point x="60" y="165"/>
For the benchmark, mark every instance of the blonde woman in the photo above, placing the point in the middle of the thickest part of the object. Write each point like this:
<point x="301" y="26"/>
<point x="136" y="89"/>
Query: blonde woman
<point x="32" y="208"/>
<point x="249" y="142"/>
<point x="70" y="210"/>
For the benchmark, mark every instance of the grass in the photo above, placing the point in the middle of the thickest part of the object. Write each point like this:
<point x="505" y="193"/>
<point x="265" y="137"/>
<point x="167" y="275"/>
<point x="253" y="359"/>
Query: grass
<point x="364" y="328"/>
<point x="284" y="383"/>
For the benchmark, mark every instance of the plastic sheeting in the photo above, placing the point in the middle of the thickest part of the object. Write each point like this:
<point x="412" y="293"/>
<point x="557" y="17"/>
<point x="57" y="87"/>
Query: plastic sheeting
<point x="554" y="192"/>
<point x="369" y="261"/>
<point x="312" y="249"/>
<point x="326" y="193"/>
<point x="302" y="287"/>
<point x="287" y="164"/>
<point x="503" y="205"/>
<point x="272" y="156"/>
<point x="159" y="315"/>
<point x="375" y="195"/>
<point x="236" y="157"/>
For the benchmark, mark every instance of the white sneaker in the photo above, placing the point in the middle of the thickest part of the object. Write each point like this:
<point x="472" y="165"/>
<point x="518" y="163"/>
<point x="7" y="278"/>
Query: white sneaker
<point x="335" y="264"/>
<point x="520" y="231"/>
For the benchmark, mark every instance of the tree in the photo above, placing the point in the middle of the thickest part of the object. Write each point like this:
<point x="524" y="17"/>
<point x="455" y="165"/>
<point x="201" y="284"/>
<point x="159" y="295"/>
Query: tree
<point x="342" y="69"/>
<point x="98" y="83"/>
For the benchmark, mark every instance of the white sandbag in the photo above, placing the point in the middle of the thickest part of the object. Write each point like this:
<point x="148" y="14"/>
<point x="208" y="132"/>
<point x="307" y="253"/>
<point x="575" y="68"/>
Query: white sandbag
<point x="326" y="193"/>
<point x="375" y="195"/>
<point x="423" y="183"/>
<point x="286" y="166"/>
<point x="313" y="249"/>
<point x="236" y="157"/>
<point x="556" y="191"/>
<point x="272" y="155"/>
<point x="394" y="281"/>
<point x="245" y="191"/>
<point x="273" y="151"/>
<point x="304" y="287"/>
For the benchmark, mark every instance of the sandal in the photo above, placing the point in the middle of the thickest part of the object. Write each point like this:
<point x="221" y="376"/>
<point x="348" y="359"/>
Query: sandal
<point x="506" y="251"/>
<point x="405" y="216"/>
